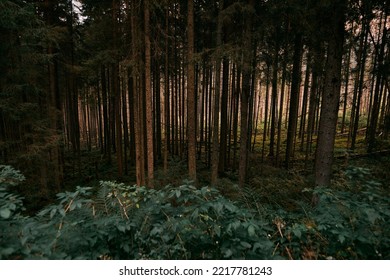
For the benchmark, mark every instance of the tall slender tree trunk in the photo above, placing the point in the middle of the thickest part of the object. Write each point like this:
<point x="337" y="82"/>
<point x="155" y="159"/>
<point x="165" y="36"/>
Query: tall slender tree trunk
<point x="245" y="94"/>
<point x="266" y="109"/>
<point x="281" y="102"/>
<point x="191" y="100"/>
<point x="236" y="96"/>
<point x="224" y="115"/>
<point x="304" y="101"/>
<point x="115" y="93"/>
<point x="215" y="154"/>
<point x="345" y="101"/>
<point x="331" y="96"/>
<point x="275" y="67"/>
<point x="294" y="99"/>
<point x="166" y="95"/>
<point x="138" y="103"/>
<point x="148" y="97"/>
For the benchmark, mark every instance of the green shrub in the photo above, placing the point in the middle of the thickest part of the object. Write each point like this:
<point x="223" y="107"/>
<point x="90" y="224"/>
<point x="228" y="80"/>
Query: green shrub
<point x="128" y="222"/>
<point x="350" y="224"/>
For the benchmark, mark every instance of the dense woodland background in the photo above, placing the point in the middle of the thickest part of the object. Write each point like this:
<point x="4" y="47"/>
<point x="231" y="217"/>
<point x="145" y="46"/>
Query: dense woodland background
<point x="265" y="95"/>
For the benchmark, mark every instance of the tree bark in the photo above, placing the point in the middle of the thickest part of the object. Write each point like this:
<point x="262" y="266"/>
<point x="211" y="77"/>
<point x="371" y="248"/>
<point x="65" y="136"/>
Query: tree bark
<point x="191" y="100"/>
<point x="215" y="154"/>
<point x="331" y="96"/>
<point x="294" y="99"/>
<point x="244" y="104"/>
<point x="148" y="97"/>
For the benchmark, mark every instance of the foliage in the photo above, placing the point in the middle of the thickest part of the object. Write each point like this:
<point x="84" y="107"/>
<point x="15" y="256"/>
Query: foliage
<point x="10" y="203"/>
<point x="118" y="221"/>
<point x="129" y="222"/>
<point x="344" y="225"/>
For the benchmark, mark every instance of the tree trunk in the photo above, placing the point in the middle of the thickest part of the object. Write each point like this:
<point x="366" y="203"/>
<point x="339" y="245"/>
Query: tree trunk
<point x="215" y="154"/>
<point x="275" y="67"/>
<point x="294" y="99"/>
<point x="166" y="96"/>
<point x="138" y="104"/>
<point x="224" y="115"/>
<point x="304" y="101"/>
<point x="148" y="98"/>
<point x="281" y="102"/>
<point x="244" y="104"/>
<point x="191" y="100"/>
<point x="331" y="96"/>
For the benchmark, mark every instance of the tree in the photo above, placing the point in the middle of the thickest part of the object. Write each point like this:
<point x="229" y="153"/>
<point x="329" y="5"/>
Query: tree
<point x="138" y="100"/>
<point x="294" y="98"/>
<point x="216" y="146"/>
<point x="244" y="102"/>
<point x="148" y="97"/>
<point x="331" y="94"/>
<point x="191" y="100"/>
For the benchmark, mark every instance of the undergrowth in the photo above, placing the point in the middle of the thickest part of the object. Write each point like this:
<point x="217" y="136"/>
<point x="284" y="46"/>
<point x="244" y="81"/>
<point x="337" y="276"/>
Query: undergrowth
<point x="119" y="221"/>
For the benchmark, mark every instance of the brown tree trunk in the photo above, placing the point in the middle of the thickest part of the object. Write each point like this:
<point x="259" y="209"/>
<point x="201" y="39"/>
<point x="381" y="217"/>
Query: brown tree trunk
<point x="224" y="115"/>
<point x="304" y="101"/>
<point x="138" y="103"/>
<point x="281" y="102"/>
<point x="275" y="67"/>
<point x="148" y="98"/>
<point x="191" y="100"/>
<point x="330" y="100"/>
<point x="166" y="95"/>
<point x="244" y="104"/>
<point x="215" y="154"/>
<point x="266" y="110"/>
<point x="294" y="99"/>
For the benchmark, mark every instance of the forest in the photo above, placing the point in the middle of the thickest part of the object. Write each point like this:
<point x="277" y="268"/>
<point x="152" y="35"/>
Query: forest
<point x="194" y="129"/>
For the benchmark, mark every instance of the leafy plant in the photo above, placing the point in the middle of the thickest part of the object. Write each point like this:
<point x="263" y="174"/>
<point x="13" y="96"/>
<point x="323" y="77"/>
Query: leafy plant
<point x="350" y="224"/>
<point x="128" y="222"/>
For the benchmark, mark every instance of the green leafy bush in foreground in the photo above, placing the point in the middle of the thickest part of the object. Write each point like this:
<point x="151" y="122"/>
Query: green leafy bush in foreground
<point x="128" y="222"/>
<point x="350" y="224"/>
<point x="124" y="222"/>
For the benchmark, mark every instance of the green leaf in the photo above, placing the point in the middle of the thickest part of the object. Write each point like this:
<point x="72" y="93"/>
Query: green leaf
<point x="217" y="230"/>
<point x="230" y="207"/>
<point x="372" y="215"/>
<point x="245" y="244"/>
<point x="297" y="232"/>
<point x="53" y="212"/>
<point x="72" y="206"/>
<point x="195" y="214"/>
<point x="5" y="213"/>
<point x="62" y="212"/>
<point x="121" y="228"/>
<point x="7" y="251"/>
<point x="228" y="253"/>
<point x="218" y="208"/>
<point x="341" y="238"/>
<point x="251" y="230"/>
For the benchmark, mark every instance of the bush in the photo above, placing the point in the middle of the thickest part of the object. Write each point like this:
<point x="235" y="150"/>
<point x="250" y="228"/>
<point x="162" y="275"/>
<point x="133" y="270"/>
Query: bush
<point x="129" y="222"/>
<point x="350" y="224"/>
